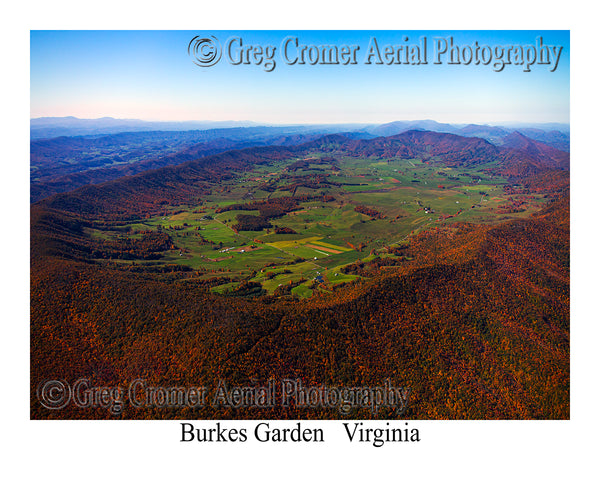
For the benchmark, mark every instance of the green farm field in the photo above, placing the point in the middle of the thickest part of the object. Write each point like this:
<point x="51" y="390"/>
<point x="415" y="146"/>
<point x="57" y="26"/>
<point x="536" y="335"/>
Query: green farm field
<point x="343" y="210"/>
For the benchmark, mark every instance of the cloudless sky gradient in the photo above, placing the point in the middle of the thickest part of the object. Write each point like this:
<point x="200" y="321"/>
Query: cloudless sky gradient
<point x="149" y="75"/>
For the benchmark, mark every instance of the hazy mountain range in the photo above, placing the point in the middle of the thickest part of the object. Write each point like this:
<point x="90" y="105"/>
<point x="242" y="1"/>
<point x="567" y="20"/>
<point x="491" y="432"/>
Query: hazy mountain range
<point x="554" y="134"/>
<point x="50" y="127"/>
<point x="82" y="155"/>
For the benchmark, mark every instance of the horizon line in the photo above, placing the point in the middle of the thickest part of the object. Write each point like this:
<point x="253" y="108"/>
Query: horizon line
<point x="258" y="123"/>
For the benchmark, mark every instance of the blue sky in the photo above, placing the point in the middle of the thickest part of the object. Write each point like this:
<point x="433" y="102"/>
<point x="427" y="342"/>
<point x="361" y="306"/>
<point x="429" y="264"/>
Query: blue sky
<point x="149" y="75"/>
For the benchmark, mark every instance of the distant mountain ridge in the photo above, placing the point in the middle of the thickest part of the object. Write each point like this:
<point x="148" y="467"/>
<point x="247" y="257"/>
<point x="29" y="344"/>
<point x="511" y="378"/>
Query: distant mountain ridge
<point x="65" y="163"/>
<point x="52" y="127"/>
<point x="416" y="143"/>
<point x="545" y="133"/>
<point x="185" y="181"/>
<point x="453" y="149"/>
<point x="554" y="134"/>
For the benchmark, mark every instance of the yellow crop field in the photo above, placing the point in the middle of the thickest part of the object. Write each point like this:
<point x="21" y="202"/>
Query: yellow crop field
<point x="329" y="245"/>
<point x="294" y="243"/>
